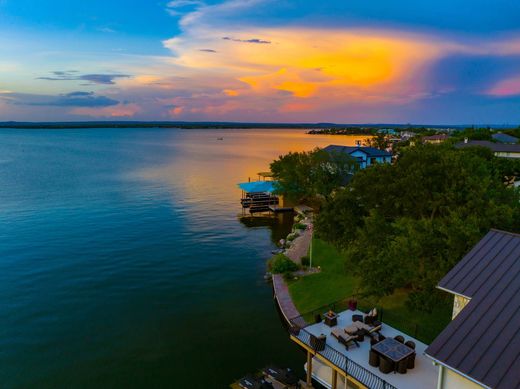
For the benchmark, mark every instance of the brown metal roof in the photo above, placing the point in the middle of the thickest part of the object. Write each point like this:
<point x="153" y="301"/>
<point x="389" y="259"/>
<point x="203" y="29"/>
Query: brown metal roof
<point x="483" y="341"/>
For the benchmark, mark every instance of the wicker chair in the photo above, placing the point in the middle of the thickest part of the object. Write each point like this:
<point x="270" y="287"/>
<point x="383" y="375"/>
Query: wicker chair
<point x="386" y="365"/>
<point x="402" y="366"/>
<point x="411" y="361"/>
<point x="410" y="344"/>
<point x="373" y="358"/>
<point x="399" y="338"/>
<point x="318" y="342"/>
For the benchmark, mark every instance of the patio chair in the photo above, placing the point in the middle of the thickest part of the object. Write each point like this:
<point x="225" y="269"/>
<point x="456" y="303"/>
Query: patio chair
<point x="318" y="342"/>
<point x="357" y="318"/>
<point x="370" y="316"/>
<point x="374" y="340"/>
<point x="317" y="318"/>
<point x="373" y="358"/>
<point x="402" y="365"/>
<point x="411" y="361"/>
<point x="399" y="338"/>
<point x="410" y="344"/>
<point x="386" y="365"/>
<point x="344" y="338"/>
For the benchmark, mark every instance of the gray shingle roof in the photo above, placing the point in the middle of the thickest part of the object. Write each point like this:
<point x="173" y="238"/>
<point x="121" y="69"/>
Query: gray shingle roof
<point x="483" y="341"/>
<point x="495" y="147"/>
<point x="370" y="151"/>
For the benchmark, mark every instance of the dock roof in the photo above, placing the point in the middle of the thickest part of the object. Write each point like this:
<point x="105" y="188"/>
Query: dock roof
<point x="483" y="341"/>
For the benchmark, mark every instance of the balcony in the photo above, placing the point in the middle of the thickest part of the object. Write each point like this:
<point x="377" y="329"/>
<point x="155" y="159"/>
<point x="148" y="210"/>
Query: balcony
<point x="331" y="361"/>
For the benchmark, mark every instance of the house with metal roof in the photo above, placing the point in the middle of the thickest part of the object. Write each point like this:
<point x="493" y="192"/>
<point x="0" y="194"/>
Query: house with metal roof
<point x="480" y="348"/>
<point x="504" y="138"/>
<point x="365" y="156"/>
<point x="503" y="150"/>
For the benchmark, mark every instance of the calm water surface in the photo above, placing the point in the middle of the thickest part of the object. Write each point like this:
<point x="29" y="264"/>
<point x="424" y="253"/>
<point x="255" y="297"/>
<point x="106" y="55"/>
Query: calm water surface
<point x="123" y="262"/>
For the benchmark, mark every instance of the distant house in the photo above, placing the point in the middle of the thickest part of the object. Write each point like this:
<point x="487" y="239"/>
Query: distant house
<point x="365" y="156"/>
<point x="435" y="139"/>
<point x="504" y="138"/>
<point x="405" y="135"/>
<point x="503" y="150"/>
<point x="481" y="345"/>
<point x="387" y="131"/>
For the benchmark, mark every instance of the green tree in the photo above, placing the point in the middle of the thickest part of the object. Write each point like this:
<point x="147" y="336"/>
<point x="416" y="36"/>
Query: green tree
<point x="312" y="175"/>
<point x="406" y="225"/>
<point x="379" y="141"/>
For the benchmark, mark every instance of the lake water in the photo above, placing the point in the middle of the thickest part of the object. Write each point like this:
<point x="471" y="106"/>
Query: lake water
<point x="123" y="262"/>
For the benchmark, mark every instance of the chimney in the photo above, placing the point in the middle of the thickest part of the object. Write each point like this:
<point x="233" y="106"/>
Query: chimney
<point x="465" y="140"/>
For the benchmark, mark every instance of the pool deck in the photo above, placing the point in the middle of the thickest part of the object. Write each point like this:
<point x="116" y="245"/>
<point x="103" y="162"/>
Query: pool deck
<point x="423" y="376"/>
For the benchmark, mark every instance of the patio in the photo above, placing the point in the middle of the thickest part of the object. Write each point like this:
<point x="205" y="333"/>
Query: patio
<point x="423" y="375"/>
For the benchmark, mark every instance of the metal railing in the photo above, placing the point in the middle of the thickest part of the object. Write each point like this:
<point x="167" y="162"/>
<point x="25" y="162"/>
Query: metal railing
<point x="297" y="329"/>
<point x="342" y="362"/>
<point x="409" y="328"/>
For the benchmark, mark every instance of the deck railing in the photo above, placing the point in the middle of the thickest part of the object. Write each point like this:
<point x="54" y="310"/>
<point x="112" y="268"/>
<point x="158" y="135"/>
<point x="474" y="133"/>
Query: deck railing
<point x="342" y="362"/>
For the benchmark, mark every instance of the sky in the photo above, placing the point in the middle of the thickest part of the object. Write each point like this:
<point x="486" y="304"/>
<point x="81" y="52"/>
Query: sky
<point x="343" y="61"/>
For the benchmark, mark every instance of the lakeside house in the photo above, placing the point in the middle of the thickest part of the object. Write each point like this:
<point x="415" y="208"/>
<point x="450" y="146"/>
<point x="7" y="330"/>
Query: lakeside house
<point x="479" y="348"/>
<point x="435" y="139"/>
<point x="365" y="156"/>
<point x="503" y="150"/>
<point x="504" y="138"/>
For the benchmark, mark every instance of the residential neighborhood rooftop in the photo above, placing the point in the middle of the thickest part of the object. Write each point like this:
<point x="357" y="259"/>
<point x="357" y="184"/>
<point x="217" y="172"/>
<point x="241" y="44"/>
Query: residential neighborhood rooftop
<point x="495" y="147"/>
<point x="504" y="138"/>
<point x="370" y="151"/>
<point x="483" y="340"/>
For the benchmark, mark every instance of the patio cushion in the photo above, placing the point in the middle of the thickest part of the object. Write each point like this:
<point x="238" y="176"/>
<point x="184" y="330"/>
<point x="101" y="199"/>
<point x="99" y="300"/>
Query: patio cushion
<point x="352" y="329"/>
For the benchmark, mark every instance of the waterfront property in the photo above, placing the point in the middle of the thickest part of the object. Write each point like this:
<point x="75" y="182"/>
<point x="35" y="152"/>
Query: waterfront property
<point x="258" y="196"/>
<point x="480" y="347"/>
<point x="503" y="150"/>
<point x="365" y="156"/>
<point x="477" y="349"/>
<point x="341" y="354"/>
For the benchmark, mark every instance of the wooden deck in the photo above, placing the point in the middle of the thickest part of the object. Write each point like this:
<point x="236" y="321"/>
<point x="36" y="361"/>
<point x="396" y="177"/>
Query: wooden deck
<point x="281" y="293"/>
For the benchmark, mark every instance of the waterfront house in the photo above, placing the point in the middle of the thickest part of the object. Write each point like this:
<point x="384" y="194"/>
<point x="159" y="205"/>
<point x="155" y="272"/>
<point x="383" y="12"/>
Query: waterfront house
<point x="365" y="156"/>
<point x="435" y="139"/>
<point x="503" y="150"/>
<point x="480" y="348"/>
<point x="504" y="138"/>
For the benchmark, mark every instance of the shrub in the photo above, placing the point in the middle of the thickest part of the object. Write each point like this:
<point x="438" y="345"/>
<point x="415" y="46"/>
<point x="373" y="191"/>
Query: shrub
<point x="280" y="263"/>
<point x="306" y="261"/>
<point x="300" y="226"/>
<point x="292" y="237"/>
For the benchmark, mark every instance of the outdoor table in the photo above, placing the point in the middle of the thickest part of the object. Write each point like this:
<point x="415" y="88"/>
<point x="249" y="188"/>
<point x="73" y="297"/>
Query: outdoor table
<point x="392" y="349"/>
<point x="330" y="320"/>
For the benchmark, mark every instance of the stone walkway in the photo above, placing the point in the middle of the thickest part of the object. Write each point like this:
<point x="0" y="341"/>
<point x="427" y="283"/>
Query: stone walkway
<point x="300" y="246"/>
<point x="281" y="292"/>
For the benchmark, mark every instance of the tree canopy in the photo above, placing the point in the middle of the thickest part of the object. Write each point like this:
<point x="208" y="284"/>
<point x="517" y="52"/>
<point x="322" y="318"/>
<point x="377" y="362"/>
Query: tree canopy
<point x="312" y="175"/>
<point x="406" y="225"/>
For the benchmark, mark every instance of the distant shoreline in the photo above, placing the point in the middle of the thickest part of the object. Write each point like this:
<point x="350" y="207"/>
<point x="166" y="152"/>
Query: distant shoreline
<point x="360" y="129"/>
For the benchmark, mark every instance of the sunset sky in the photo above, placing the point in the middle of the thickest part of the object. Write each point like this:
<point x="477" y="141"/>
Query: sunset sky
<point x="442" y="62"/>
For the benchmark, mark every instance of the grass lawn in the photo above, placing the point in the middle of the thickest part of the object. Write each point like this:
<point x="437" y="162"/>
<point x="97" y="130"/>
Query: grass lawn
<point x="334" y="283"/>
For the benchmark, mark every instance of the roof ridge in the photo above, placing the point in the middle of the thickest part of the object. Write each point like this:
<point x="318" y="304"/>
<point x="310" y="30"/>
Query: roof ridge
<point x="506" y="232"/>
